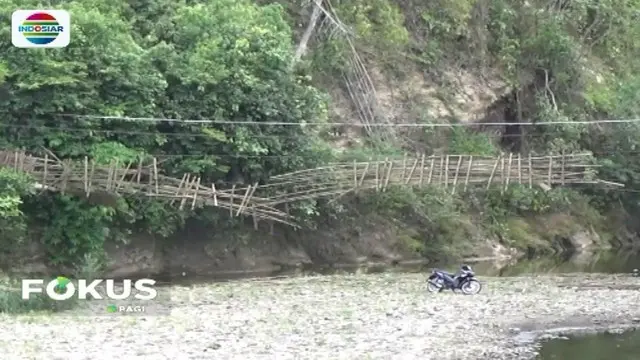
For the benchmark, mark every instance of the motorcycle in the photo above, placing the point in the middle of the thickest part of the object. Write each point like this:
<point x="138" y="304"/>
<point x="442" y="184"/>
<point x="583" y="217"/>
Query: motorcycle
<point x="465" y="282"/>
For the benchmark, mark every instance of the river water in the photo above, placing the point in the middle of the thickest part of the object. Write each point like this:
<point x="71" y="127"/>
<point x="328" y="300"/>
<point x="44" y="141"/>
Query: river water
<point x="624" y="346"/>
<point x="594" y="347"/>
<point x="623" y="262"/>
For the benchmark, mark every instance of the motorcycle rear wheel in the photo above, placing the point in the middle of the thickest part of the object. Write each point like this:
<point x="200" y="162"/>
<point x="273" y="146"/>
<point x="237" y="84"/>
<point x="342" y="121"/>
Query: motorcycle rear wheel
<point x="471" y="287"/>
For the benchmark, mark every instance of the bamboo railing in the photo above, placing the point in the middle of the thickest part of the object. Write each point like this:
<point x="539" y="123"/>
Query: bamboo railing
<point x="270" y="201"/>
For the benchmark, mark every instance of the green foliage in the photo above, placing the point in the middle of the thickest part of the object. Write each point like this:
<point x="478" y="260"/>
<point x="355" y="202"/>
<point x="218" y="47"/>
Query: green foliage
<point x="238" y="69"/>
<point x="522" y="201"/>
<point x="222" y="60"/>
<point x="108" y="152"/>
<point x="441" y="226"/>
<point x="145" y="215"/>
<point x="379" y="23"/>
<point x="70" y="228"/>
<point x="447" y="19"/>
<point x="11" y="301"/>
<point x="465" y="142"/>
<point x="13" y="187"/>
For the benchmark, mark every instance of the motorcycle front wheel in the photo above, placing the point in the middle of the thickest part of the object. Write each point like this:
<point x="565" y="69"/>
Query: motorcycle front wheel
<point x="434" y="285"/>
<point x="471" y="287"/>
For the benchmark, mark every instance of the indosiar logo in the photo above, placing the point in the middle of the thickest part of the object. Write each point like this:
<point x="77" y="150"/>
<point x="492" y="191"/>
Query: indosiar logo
<point x="40" y="28"/>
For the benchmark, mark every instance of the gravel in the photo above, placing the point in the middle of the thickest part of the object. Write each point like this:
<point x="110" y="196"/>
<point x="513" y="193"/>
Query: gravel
<point x="381" y="316"/>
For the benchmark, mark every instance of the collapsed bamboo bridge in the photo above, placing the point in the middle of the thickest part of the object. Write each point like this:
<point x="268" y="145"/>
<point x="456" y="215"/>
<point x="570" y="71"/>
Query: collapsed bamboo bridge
<point x="271" y="201"/>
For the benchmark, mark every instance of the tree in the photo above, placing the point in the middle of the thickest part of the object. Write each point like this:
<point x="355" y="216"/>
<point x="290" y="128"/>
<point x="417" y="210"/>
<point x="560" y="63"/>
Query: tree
<point x="222" y="60"/>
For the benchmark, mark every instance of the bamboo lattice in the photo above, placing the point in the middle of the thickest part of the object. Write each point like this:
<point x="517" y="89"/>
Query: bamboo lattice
<point x="263" y="202"/>
<point x="357" y="80"/>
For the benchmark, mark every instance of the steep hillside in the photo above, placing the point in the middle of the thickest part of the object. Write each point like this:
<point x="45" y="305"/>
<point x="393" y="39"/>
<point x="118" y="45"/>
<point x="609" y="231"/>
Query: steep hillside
<point x="240" y="65"/>
<point x="490" y="62"/>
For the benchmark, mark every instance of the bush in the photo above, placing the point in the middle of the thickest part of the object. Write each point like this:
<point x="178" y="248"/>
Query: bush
<point x="11" y="301"/>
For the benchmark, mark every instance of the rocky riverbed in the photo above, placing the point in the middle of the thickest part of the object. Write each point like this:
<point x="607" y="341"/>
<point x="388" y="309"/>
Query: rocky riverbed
<point x="382" y="316"/>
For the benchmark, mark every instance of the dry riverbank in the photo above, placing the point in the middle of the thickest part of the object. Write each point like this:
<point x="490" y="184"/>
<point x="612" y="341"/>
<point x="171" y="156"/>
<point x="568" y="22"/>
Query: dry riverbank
<point x="383" y="316"/>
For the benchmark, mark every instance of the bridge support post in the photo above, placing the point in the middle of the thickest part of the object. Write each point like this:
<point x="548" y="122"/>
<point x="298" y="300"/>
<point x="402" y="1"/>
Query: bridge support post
<point x="466" y="179"/>
<point x="562" y="168"/>
<point x="377" y="174"/>
<point x="255" y="219"/>
<point x="231" y="200"/>
<point x="493" y="171"/>
<point x="550" y="169"/>
<point x="530" y="172"/>
<point x="421" y="170"/>
<point x="455" y="178"/>
<point x="508" y="178"/>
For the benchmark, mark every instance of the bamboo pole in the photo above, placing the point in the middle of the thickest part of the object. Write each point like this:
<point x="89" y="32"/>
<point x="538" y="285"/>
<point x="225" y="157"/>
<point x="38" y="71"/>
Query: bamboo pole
<point x="550" y="169"/>
<point x="255" y="218"/>
<point x="46" y="168"/>
<point x="231" y="199"/>
<point x="245" y="199"/>
<point x="150" y="182"/>
<point x="246" y="193"/>
<point x="441" y="173"/>
<point x="364" y="173"/>
<point x="184" y="180"/>
<point x="502" y="170"/>
<point x="404" y="166"/>
<point x="109" y="175"/>
<point x="455" y="178"/>
<point x="195" y="194"/>
<point x="23" y="156"/>
<point x="93" y="169"/>
<point x="446" y="173"/>
<point x="562" y="168"/>
<point x="140" y="171"/>
<point x="433" y="160"/>
<point x="519" y="169"/>
<point x="466" y="180"/>
<point x="65" y="176"/>
<point x="185" y="195"/>
<point x="124" y="174"/>
<point x="253" y="190"/>
<point x="413" y="168"/>
<point x="530" y="172"/>
<point x="386" y="182"/>
<point x="155" y="173"/>
<point x="214" y="193"/>
<point x="493" y="171"/>
<point x="114" y="174"/>
<point x="355" y="174"/>
<point x="506" y="184"/>
<point x="422" y="169"/>
<point x="377" y="175"/>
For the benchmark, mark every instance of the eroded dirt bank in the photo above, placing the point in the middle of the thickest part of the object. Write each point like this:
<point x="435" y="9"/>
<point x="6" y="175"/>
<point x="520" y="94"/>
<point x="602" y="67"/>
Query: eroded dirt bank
<point x="204" y="252"/>
<point x="385" y="316"/>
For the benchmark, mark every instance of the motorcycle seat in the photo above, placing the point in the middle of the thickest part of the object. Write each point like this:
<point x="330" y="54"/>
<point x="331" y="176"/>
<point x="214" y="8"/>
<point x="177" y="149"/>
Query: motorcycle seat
<point x="445" y="272"/>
